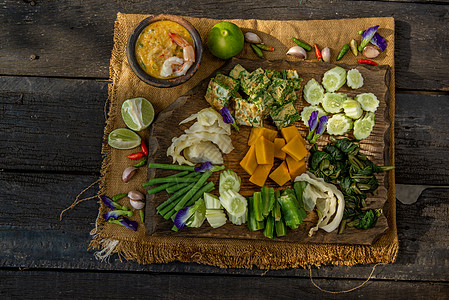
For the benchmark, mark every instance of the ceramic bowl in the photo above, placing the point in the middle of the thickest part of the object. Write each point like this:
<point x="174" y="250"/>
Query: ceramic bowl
<point x="157" y="82"/>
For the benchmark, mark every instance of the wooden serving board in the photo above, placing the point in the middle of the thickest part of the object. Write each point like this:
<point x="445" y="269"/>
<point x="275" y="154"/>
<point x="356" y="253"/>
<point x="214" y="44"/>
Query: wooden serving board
<point x="165" y="127"/>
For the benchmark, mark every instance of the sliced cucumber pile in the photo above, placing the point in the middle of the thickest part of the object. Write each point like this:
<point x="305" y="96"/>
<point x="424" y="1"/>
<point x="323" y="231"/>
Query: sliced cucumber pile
<point x="346" y="113"/>
<point x="313" y="92"/>
<point x="354" y="79"/>
<point x="339" y="124"/>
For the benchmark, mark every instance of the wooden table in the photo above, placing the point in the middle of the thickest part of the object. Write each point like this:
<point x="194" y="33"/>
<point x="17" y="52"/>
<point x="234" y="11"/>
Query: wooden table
<point x="54" y="59"/>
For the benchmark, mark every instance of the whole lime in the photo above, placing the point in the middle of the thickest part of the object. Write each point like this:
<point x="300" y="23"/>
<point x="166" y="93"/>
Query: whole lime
<point x="225" y="40"/>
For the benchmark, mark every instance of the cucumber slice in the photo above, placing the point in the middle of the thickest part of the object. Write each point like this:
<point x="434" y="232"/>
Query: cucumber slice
<point x="339" y="124"/>
<point x="368" y="101"/>
<point x="333" y="102"/>
<point x="352" y="108"/>
<point x="307" y="111"/>
<point x="364" y="126"/>
<point x="313" y="92"/>
<point x="354" y="79"/>
<point x="334" y="79"/>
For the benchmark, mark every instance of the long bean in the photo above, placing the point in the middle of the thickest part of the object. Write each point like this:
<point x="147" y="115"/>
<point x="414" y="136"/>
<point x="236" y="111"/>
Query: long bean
<point x="154" y="181"/>
<point x="194" y="189"/>
<point x="205" y="189"/>
<point x="175" y="196"/>
<point x="180" y="174"/>
<point x="176" y="187"/>
<point x="171" y="167"/>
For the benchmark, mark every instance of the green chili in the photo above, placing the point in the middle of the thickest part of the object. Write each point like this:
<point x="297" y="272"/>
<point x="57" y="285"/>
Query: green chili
<point x="264" y="47"/>
<point x="141" y="163"/>
<point x="343" y="51"/>
<point x="306" y="47"/>
<point x="142" y="215"/>
<point x="119" y="196"/>
<point x="257" y="50"/>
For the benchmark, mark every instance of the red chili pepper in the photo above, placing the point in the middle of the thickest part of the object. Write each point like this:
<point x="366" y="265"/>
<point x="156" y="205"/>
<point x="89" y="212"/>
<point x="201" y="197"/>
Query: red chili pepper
<point x="367" y="62"/>
<point x="317" y="52"/>
<point x="136" y="155"/>
<point x="144" y="148"/>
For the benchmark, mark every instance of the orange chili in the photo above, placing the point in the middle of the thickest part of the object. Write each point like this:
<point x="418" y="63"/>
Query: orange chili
<point x="317" y="51"/>
<point x="136" y="155"/>
<point x="367" y="62"/>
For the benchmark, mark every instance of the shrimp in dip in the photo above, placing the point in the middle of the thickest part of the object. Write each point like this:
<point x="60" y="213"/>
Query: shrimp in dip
<point x="165" y="50"/>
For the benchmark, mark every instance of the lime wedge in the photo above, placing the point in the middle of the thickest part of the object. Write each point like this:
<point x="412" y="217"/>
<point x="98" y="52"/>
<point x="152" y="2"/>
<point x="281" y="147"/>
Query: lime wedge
<point x="123" y="138"/>
<point x="138" y="113"/>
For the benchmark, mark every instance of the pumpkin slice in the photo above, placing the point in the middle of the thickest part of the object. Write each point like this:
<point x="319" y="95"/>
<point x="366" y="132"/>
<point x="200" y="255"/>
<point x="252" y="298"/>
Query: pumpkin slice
<point x="290" y="132"/>
<point x="260" y="175"/>
<point x="295" y="148"/>
<point x="257" y="132"/>
<point x="264" y="151"/>
<point x="281" y="174"/>
<point x="249" y="162"/>
<point x="295" y="168"/>
<point x="278" y="144"/>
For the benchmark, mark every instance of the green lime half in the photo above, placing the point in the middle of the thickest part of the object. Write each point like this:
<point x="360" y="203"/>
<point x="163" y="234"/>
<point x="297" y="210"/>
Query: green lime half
<point x="123" y="138"/>
<point x="138" y="113"/>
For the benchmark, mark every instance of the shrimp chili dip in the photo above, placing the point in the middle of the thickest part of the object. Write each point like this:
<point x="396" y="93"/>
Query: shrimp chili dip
<point x="165" y="50"/>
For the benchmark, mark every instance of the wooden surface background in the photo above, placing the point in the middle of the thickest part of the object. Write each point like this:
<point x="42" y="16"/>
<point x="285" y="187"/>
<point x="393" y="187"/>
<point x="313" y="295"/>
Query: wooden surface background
<point x="54" y="58"/>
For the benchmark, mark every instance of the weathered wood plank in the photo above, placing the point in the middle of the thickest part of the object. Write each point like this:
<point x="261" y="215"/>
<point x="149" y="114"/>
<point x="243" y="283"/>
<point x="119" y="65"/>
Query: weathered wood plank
<point x="51" y="284"/>
<point x="51" y="124"/>
<point x="70" y="39"/>
<point x="31" y="235"/>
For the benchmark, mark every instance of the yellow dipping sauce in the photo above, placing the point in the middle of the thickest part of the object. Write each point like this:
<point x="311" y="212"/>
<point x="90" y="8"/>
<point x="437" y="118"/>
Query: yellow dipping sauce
<point x="154" y="46"/>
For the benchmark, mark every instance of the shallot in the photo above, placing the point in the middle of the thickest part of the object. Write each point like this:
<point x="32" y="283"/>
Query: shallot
<point x="326" y="54"/>
<point x="297" y="51"/>
<point x="370" y="52"/>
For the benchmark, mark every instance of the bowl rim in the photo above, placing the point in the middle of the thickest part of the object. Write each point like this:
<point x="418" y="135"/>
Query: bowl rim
<point x="163" y="83"/>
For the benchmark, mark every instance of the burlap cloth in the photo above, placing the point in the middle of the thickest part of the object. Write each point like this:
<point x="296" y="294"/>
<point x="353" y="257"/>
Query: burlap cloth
<point x="267" y="254"/>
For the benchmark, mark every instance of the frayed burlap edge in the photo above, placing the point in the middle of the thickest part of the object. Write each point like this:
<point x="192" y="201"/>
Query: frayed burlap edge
<point x="238" y="253"/>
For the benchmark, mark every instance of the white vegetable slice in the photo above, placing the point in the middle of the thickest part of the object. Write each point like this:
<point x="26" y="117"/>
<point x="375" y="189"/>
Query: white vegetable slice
<point x="212" y="201"/>
<point x="216" y="217"/>
<point x="234" y="203"/>
<point x="238" y="221"/>
<point x="203" y="152"/>
<point x="364" y="126"/>
<point x="333" y="102"/>
<point x="329" y="216"/>
<point x="368" y="101"/>
<point x="307" y="111"/>
<point x="207" y="117"/>
<point x="313" y="92"/>
<point x="339" y="124"/>
<point x="198" y="127"/>
<point x="352" y="108"/>
<point x="222" y="141"/>
<point x="354" y="79"/>
<point x="334" y="79"/>
<point x="229" y="180"/>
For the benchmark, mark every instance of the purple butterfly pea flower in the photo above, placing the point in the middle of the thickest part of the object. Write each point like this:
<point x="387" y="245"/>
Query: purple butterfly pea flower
<point x="227" y="117"/>
<point x="313" y="122"/>
<point x="379" y="41"/>
<point x="208" y="166"/>
<point x="320" y="129"/>
<point x="182" y="216"/>
<point x="367" y="35"/>
<point x="109" y="203"/>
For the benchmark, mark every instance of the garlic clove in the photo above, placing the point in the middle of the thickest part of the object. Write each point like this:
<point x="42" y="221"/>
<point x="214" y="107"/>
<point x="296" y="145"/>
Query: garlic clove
<point x="136" y="204"/>
<point x="326" y="54"/>
<point x="253" y="38"/>
<point x="128" y="173"/>
<point x="370" y="52"/>
<point x="298" y="52"/>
